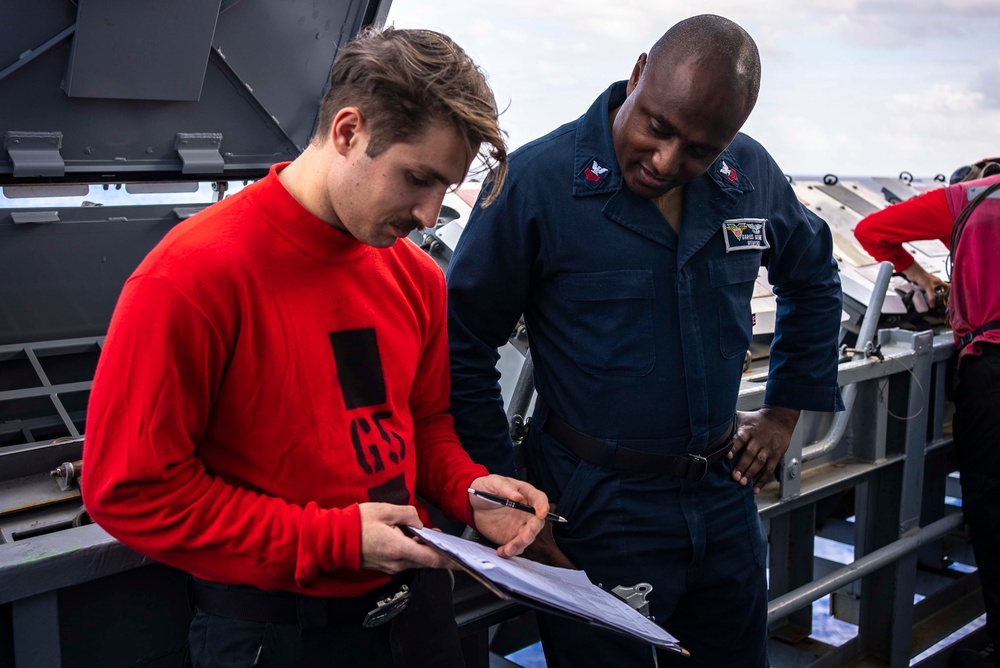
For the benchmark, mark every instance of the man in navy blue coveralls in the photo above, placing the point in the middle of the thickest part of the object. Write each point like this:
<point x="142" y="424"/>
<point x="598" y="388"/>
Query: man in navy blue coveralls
<point x="630" y="240"/>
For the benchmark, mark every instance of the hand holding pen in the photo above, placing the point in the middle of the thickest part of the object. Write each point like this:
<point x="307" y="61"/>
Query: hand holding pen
<point x="491" y="496"/>
<point x="551" y="517"/>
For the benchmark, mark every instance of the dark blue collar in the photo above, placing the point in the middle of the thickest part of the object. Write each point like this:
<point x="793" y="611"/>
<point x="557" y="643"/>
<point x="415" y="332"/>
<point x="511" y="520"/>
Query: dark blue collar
<point x="708" y="199"/>
<point x="595" y="164"/>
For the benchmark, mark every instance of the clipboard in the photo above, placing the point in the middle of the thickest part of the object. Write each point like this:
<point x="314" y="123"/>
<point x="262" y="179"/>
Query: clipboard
<point x="559" y="591"/>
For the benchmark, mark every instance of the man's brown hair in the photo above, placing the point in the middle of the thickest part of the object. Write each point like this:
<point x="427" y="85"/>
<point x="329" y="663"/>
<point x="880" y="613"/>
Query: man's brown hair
<point x="405" y="80"/>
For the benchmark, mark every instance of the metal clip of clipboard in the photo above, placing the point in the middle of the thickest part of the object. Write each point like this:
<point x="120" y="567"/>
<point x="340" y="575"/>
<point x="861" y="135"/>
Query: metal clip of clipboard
<point x="636" y="599"/>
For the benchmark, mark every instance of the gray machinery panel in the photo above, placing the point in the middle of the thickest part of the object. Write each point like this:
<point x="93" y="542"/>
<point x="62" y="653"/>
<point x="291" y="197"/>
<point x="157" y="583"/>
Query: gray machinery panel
<point x="905" y="186"/>
<point x="99" y="66"/>
<point x="158" y="97"/>
<point x="868" y="190"/>
<point x="62" y="269"/>
<point x="103" y="91"/>
<point x="842" y="205"/>
<point x="849" y="199"/>
<point x="879" y="191"/>
<point x="840" y="219"/>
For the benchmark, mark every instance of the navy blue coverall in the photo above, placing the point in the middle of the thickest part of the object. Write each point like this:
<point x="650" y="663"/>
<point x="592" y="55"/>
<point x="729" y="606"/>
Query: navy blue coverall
<point x="638" y="338"/>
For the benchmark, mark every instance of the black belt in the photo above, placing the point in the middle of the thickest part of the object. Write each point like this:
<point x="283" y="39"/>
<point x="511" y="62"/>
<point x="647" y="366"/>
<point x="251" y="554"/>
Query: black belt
<point x="592" y="449"/>
<point x="256" y="605"/>
<point x="967" y="338"/>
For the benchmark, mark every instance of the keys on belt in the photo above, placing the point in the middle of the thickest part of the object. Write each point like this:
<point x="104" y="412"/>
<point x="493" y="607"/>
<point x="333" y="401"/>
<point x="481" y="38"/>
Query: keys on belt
<point x="255" y="605"/>
<point x="387" y="608"/>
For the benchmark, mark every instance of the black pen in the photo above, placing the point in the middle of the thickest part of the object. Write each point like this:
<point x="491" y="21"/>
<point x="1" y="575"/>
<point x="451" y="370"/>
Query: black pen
<point x="551" y="517"/>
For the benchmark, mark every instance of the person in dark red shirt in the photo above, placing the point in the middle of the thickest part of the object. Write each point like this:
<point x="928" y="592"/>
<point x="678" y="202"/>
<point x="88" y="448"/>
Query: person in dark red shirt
<point x="965" y="216"/>
<point x="273" y="392"/>
<point x="926" y="216"/>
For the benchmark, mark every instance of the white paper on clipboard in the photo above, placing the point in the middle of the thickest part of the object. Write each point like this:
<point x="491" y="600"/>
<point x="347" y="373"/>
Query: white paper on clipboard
<point x="548" y="588"/>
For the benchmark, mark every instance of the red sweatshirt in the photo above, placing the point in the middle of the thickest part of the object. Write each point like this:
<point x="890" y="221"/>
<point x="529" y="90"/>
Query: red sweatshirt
<point x="263" y="374"/>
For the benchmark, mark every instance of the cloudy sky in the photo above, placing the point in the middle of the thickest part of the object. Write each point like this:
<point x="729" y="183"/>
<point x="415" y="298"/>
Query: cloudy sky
<point x="850" y="87"/>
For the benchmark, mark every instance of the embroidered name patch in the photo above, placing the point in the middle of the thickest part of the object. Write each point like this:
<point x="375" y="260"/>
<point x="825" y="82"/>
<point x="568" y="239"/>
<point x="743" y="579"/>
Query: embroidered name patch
<point x="744" y="234"/>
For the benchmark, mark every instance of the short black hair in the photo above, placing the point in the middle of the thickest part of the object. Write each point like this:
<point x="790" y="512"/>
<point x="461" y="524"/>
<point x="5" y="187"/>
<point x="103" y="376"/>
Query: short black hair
<point x="709" y="35"/>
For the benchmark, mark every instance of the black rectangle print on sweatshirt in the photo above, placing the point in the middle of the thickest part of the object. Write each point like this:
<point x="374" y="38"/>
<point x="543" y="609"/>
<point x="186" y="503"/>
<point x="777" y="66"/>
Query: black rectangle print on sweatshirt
<point x="359" y="367"/>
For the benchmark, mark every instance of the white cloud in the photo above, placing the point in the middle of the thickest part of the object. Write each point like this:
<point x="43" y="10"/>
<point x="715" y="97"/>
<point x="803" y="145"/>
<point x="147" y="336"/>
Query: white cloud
<point x="801" y="134"/>
<point x="944" y="100"/>
<point x="988" y="84"/>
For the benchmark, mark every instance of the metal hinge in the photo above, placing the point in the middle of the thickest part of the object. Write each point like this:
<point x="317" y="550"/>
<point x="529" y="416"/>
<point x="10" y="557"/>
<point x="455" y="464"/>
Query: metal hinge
<point x="199" y="152"/>
<point x="35" y="153"/>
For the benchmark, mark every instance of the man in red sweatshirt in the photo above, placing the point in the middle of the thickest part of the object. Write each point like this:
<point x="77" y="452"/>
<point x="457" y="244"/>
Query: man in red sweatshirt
<point x="273" y="390"/>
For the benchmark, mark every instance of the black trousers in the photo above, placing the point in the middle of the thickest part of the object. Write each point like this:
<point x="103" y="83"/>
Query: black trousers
<point x="424" y="634"/>
<point x="977" y="444"/>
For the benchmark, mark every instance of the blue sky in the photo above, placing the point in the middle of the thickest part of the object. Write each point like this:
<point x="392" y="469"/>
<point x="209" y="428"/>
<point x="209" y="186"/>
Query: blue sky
<point x="849" y="87"/>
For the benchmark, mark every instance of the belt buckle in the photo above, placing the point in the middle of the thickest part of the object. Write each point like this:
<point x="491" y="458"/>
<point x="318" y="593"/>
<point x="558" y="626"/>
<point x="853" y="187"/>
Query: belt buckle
<point x="387" y="608"/>
<point x="697" y="462"/>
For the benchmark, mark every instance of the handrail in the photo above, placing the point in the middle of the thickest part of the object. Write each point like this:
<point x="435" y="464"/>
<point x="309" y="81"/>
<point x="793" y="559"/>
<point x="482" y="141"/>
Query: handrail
<point x="788" y="603"/>
<point x="866" y="337"/>
<point x="524" y="389"/>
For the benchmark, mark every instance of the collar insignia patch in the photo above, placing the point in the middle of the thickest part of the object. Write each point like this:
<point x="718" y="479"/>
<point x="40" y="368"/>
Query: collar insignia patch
<point x="729" y="172"/>
<point x="745" y="234"/>
<point x="595" y="173"/>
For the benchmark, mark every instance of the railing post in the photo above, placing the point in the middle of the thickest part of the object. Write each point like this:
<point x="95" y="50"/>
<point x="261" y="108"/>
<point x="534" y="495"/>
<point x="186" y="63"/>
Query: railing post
<point x="36" y="631"/>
